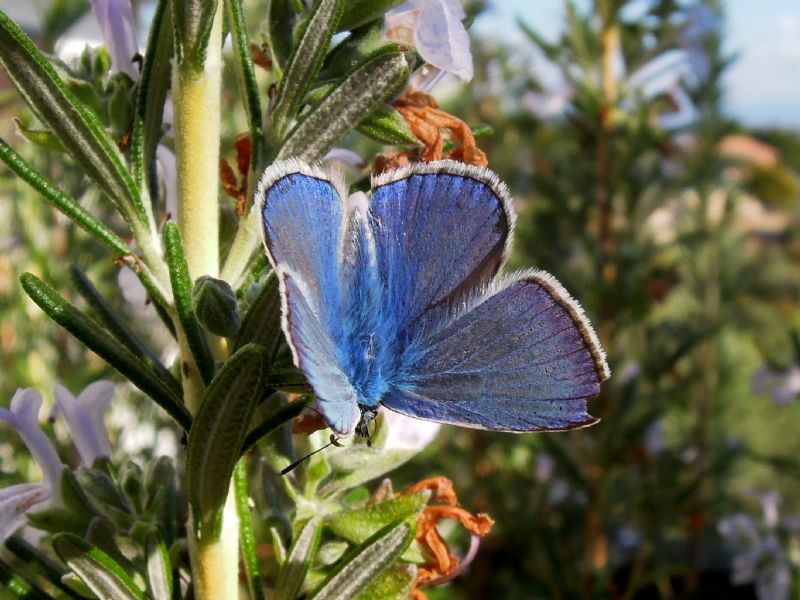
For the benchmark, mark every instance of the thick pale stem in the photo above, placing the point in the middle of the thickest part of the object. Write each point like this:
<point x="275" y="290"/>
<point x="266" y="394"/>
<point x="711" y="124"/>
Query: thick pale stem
<point x="197" y="134"/>
<point x="196" y="97"/>
<point x="215" y="562"/>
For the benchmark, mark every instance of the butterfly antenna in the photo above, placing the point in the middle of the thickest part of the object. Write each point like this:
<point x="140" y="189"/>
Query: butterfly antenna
<point x="334" y="441"/>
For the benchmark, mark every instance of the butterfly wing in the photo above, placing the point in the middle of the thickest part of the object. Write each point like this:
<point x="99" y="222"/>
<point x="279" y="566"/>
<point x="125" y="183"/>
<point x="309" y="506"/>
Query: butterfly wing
<point x="316" y="356"/>
<point x="522" y="358"/>
<point x="441" y="229"/>
<point x="303" y="222"/>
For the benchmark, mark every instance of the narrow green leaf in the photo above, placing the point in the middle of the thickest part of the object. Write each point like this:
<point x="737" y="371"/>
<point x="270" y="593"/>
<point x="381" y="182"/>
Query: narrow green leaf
<point x="394" y="584"/>
<point x="96" y="569"/>
<point x="219" y="429"/>
<point x="40" y="563"/>
<point x="79" y="215"/>
<point x="358" y="524"/>
<point x="246" y="74"/>
<point x="94" y="337"/>
<point x="116" y="327"/>
<point x="359" y="12"/>
<point x="246" y="534"/>
<point x="387" y="126"/>
<point x="272" y="422"/>
<point x="365" y="563"/>
<point x="359" y="464"/>
<point x="17" y="586"/>
<point x="152" y="94"/>
<point x="41" y="137"/>
<point x="346" y="106"/>
<point x="193" y="21"/>
<point x="298" y="562"/>
<point x="182" y="294"/>
<point x="277" y="33"/>
<point x="79" y="130"/>
<point x="355" y="49"/>
<point x="304" y="63"/>
<point x="159" y="568"/>
<point x="262" y="321"/>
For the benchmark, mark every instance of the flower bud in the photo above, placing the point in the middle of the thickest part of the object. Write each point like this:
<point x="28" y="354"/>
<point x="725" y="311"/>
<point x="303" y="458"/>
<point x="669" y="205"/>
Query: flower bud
<point x="214" y="304"/>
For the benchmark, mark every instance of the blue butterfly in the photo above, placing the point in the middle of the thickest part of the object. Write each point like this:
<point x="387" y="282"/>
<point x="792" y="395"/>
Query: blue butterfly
<point x="395" y="300"/>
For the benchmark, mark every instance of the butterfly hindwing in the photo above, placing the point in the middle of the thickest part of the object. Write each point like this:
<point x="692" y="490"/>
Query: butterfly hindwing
<point x="441" y="229"/>
<point x="303" y="221"/>
<point x="522" y="358"/>
<point x="316" y="355"/>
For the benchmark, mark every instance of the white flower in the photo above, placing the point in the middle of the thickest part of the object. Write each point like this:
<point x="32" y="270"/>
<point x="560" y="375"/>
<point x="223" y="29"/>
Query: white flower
<point x="759" y="557"/>
<point x="17" y="500"/>
<point x="116" y="23"/>
<point x="346" y="158"/>
<point x="84" y="417"/>
<point x="406" y="433"/>
<point x="782" y="386"/>
<point x="434" y="27"/>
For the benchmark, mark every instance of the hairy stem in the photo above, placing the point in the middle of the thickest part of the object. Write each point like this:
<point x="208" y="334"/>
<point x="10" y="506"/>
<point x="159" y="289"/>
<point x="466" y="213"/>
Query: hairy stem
<point x="197" y="135"/>
<point x="214" y="554"/>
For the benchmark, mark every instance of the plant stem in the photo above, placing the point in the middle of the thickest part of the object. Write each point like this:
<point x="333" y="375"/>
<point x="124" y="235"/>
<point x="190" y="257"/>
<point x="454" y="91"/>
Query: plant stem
<point x="215" y="560"/>
<point x="197" y="135"/>
<point x="196" y="95"/>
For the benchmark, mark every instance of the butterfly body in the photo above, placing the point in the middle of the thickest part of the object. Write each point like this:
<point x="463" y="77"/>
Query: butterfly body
<point x="395" y="300"/>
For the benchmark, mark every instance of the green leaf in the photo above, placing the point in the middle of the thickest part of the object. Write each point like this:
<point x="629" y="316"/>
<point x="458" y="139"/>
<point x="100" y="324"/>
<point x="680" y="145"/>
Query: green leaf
<point x="40" y="563"/>
<point x="106" y="495"/>
<point x="246" y="75"/>
<point x="96" y="569"/>
<point x="359" y="12"/>
<point x="394" y="584"/>
<point x="219" y="429"/>
<point x="74" y="211"/>
<point x="262" y="321"/>
<point x="273" y="421"/>
<point x="182" y="293"/>
<point x="98" y="340"/>
<point x="277" y="33"/>
<point x="304" y="64"/>
<point x="160" y="496"/>
<point x="367" y="562"/>
<point x="153" y="89"/>
<point x="346" y="106"/>
<point x="159" y="568"/>
<point x="41" y="137"/>
<point x="120" y="330"/>
<point x="193" y="21"/>
<point x="357" y="524"/>
<point x="387" y="126"/>
<point x="297" y="564"/>
<point x="246" y="534"/>
<point x="17" y="586"/>
<point x="359" y="464"/>
<point x="356" y="48"/>
<point x="79" y="130"/>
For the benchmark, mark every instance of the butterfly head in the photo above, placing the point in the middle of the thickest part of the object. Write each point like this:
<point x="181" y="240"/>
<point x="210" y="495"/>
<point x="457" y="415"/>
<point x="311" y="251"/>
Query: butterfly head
<point x="368" y="415"/>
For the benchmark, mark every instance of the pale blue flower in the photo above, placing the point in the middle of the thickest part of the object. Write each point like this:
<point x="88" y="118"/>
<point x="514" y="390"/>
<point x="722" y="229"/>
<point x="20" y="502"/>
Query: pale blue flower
<point x="84" y="416"/>
<point x="116" y="24"/>
<point x="17" y="500"/>
<point x="783" y="386"/>
<point x="435" y="29"/>
<point x="759" y="557"/>
<point x="406" y="433"/>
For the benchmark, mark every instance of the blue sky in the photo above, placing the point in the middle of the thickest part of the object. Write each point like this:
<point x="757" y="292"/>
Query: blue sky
<point x="762" y="86"/>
